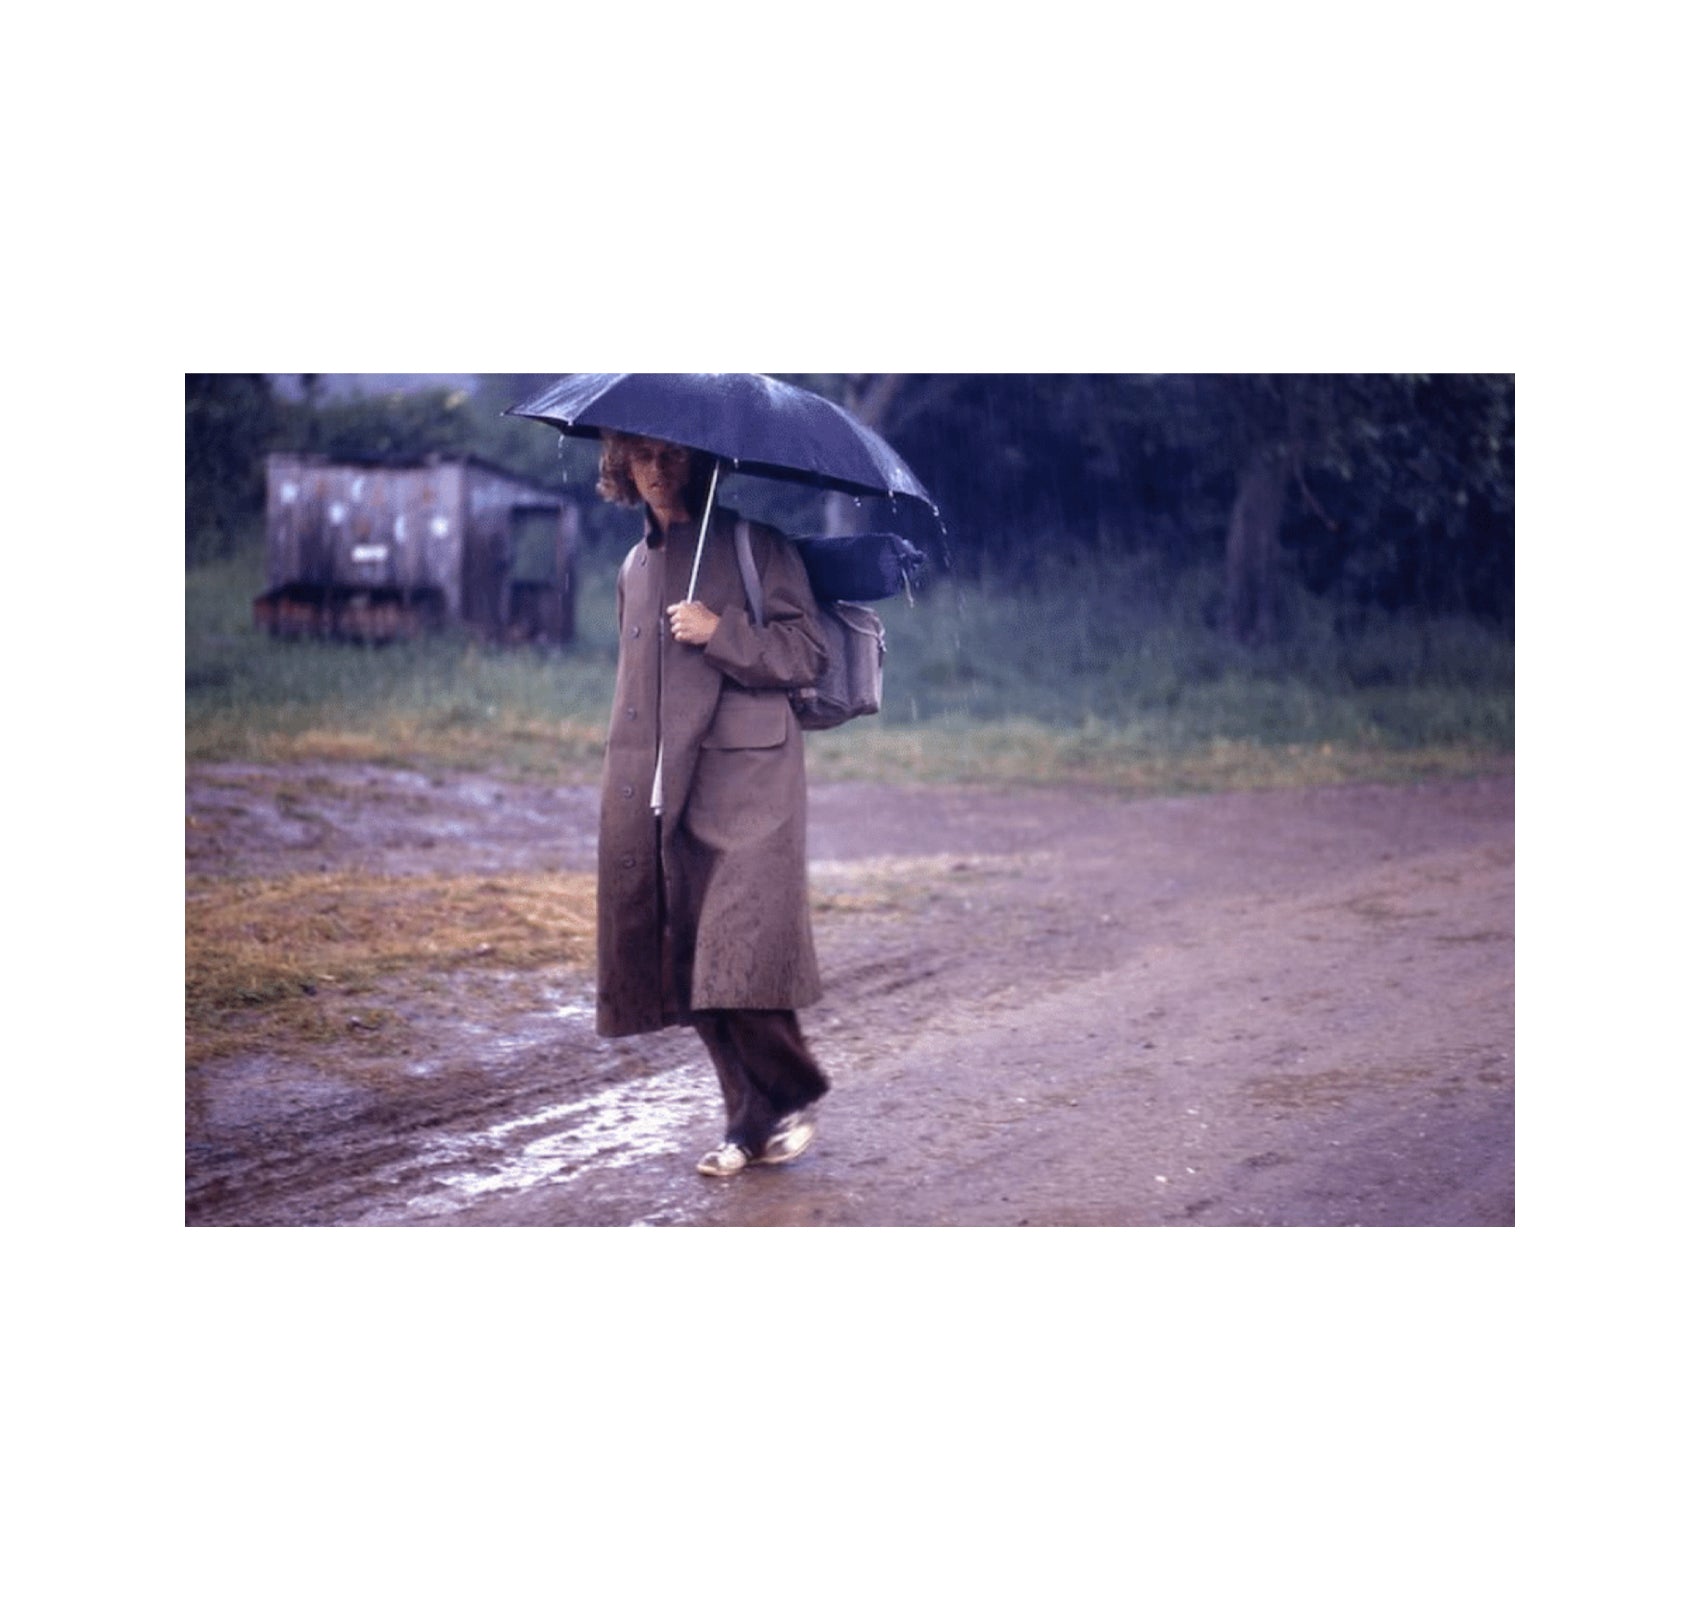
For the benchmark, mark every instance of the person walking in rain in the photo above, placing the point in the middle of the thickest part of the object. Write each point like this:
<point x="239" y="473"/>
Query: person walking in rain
<point x="702" y="887"/>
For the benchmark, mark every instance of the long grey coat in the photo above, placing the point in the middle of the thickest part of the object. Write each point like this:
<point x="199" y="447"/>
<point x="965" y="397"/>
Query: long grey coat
<point x="710" y="909"/>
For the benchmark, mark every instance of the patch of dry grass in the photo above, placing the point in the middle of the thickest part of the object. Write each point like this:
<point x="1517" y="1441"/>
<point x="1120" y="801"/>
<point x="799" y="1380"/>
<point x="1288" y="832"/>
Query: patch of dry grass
<point x="293" y="963"/>
<point x="1013" y="751"/>
<point x="567" y="751"/>
<point x="291" y="948"/>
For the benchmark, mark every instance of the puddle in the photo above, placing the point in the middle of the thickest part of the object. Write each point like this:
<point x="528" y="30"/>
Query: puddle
<point x="613" y="1128"/>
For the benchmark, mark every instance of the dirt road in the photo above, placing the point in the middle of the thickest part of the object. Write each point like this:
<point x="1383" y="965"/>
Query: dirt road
<point x="1043" y="1007"/>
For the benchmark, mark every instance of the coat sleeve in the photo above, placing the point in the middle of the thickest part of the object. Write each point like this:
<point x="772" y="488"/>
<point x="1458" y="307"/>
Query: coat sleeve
<point x="790" y="650"/>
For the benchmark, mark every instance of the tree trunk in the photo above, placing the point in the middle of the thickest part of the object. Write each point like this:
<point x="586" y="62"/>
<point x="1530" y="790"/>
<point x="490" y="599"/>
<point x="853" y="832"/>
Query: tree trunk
<point x="868" y="398"/>
<point x="1254" y="534"/>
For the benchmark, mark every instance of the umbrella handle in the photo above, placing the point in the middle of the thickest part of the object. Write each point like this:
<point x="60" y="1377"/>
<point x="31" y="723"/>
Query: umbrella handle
<point x="702" y="535"/>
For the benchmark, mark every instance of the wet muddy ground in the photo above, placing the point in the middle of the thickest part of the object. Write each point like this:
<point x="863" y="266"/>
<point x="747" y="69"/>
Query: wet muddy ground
<point x="1044" y="1007"/>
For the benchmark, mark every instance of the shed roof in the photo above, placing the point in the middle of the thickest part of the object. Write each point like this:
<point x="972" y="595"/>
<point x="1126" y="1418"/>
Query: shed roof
<point x="416" y="463"/>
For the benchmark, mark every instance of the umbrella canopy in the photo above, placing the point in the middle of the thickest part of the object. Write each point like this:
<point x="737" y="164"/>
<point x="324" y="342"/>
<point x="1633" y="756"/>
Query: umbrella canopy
<point x="752" y="423"/>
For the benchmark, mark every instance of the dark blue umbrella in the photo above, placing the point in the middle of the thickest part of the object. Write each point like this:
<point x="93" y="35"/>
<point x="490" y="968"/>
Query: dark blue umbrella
<point x="749" y="422"/>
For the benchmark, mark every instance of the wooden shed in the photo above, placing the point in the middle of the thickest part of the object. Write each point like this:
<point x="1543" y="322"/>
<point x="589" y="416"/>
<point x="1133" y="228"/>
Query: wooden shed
<point x="377" y="550"/>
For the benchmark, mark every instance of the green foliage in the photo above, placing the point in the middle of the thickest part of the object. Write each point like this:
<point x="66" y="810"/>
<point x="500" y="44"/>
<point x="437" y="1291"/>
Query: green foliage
<point x="447" y="420"/>
<point x="230" y="421"/>
<point x="529" y="448"/>
<point x="401" y="424"/>
<point x="1397" y="489"/>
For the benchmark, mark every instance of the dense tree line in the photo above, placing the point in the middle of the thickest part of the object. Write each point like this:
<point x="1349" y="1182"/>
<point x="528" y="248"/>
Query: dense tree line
<point x="1391" y="491"/>
<point x="230" y="420"/>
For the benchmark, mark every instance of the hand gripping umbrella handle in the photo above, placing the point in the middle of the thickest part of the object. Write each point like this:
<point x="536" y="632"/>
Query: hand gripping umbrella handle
<point x="702" y="535"/>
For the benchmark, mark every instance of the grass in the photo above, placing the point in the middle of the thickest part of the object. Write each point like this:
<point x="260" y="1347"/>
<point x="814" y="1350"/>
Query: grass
<point x="445" y="701"/>
<point x="1101" y="672"/>
<point x="294" y="948"/>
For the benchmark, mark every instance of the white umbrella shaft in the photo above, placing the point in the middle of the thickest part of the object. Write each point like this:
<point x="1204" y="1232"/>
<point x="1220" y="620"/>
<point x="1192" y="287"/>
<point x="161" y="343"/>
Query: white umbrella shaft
<point x="702" y="535"/>
<point x="690" y="594"/>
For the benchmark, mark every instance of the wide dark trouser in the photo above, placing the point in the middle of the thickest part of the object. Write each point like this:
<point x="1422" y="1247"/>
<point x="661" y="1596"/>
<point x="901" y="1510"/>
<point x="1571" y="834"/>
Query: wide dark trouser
<point x="765" y="1068"/>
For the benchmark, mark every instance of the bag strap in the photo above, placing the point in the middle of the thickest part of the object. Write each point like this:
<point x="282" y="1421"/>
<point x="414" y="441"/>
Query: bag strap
<point x="747" y="566"/>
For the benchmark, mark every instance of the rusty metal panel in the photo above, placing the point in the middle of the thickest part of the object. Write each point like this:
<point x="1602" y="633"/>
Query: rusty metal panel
<point x="286" y="513"/>
<point x="503" y="561"/>
<point x="486" y="550"/>
<point x="436" y="533"/>
<point x="441" y="507"/>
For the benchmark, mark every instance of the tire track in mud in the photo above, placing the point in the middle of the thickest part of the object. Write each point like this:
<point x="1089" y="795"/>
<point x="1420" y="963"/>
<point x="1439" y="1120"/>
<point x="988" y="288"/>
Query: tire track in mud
<point x="364" y="1150"/>
<point x="429" y="1145"/>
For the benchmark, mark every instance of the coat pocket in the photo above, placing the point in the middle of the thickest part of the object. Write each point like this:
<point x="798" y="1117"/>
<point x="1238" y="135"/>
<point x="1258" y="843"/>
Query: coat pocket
<point x="746" y="721"/>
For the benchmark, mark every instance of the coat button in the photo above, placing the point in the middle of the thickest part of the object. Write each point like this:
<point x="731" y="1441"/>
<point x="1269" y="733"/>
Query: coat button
<point x="626" y="791"/>
<point x="631" y="713"/>
<point x="628" y="861"/>
<point x="636" y="630"/>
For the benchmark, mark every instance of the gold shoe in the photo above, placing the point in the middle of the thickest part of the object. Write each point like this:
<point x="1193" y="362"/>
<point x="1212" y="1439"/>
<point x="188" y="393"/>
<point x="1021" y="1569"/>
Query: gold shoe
<point x="726" y="1162"/>
<point x="789" y="1139"/>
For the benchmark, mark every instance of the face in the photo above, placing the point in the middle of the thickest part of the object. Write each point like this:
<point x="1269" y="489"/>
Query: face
<point x="661" y="471"/>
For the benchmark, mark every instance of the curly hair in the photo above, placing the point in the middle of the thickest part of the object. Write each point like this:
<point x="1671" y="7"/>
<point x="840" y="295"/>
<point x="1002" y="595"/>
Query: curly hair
<point x="614" y="480"/>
